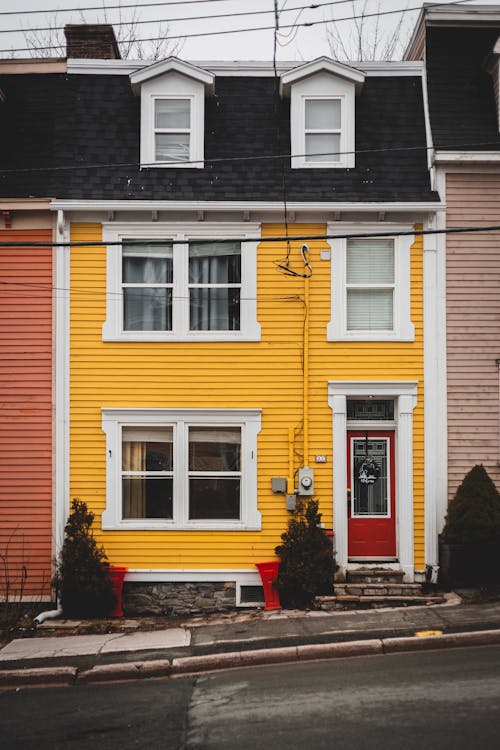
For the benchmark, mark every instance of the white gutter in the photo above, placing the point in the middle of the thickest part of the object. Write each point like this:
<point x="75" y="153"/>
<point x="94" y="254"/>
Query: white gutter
<point x="470" y="157"/>
<point x="266" y="206"/>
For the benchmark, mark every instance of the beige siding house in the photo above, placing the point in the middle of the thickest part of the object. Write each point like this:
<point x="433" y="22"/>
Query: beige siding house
<point x="461" y="51"/>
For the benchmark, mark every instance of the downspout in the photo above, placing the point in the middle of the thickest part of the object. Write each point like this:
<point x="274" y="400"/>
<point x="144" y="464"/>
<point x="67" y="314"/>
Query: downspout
<point x="291" y="478"/>
<point x="305" y="392"/>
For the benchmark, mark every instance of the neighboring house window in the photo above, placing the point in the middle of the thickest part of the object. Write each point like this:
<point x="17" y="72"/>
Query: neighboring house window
<point x="184" y="290"/>
<point x="172" y="130"/>
<point x="169" y="469"/>
<point x="322" y="129"/>
<point x="371" y="288"/>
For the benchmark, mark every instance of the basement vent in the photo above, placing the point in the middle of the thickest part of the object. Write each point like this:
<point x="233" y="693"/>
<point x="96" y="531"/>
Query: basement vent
<point x="251" y="595"/>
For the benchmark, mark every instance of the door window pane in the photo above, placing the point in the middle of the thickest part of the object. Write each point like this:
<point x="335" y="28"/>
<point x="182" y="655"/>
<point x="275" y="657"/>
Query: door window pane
<point x="370" y="499"/>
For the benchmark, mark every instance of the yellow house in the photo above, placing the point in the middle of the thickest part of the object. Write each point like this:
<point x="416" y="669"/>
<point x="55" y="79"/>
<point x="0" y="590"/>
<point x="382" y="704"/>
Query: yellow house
<point x="241" y="331"/>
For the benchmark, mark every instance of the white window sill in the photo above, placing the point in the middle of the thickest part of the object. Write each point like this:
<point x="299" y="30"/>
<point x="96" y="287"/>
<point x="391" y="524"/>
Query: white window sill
<point x="171" y="526"/>
<point x="405" y="335"/>
<point x="253" y="334"/>
<point x="191" y="164"/>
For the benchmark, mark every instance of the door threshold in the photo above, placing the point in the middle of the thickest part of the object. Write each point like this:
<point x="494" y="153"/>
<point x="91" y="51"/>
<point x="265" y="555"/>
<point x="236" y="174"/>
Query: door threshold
<point x="373" y="560"/>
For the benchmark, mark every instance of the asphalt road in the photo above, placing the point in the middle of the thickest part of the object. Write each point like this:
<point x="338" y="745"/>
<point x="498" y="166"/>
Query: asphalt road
<point x="439" y="700"/>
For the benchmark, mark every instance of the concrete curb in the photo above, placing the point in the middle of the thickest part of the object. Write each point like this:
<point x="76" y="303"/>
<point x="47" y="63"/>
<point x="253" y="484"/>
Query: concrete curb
<point x="193" y="665"/>
<point x="43" y="677"/>
<point x="134" y="670"/>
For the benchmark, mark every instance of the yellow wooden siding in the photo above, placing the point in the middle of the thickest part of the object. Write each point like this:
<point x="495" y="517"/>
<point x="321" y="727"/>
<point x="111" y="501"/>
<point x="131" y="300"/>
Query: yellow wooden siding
<point x="265" y="375"/>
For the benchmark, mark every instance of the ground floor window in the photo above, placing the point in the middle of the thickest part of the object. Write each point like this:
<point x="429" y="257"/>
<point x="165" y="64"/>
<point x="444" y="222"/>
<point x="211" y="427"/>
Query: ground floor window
<point x="191" y="468"/>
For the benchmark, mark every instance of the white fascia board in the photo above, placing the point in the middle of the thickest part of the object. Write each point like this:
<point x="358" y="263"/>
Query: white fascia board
<point x="264" y="206"/>
<point x="469" y="157"/>
<point x="321" y="64"/>
<point x="254" y="68"/>
<point x="467" y="15"/>
<point x="172" y="64"/>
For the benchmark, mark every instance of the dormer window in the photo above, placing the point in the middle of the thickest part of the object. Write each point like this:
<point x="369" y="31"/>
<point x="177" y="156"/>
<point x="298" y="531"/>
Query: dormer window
<point x="322" y="113"/>
<point x="172" y="113"/>
<point x="172" y="129"/>
<point x="322" y="129"/>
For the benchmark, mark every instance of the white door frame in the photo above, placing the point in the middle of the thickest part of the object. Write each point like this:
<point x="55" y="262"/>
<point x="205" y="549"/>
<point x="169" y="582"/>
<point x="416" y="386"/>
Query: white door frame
<point x="404" y="394"/>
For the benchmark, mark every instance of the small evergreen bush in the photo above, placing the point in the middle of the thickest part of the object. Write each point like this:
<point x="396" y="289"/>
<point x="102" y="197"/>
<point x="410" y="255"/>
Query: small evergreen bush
<point x="81" y="579"/>
<point x="306" y="555"/>
<point x="474" y="513"/>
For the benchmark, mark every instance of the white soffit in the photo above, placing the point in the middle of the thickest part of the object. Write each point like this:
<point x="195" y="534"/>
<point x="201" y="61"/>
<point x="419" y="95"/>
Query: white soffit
<point x="172" y="64"/>
<point x="321" y="64"/>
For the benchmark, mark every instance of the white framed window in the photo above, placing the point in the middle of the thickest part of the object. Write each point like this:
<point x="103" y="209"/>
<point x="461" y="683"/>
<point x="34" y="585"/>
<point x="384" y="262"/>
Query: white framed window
<point x="322" y="129"/>
<point x="172" y="125"/>
<point x="181" y="469"/>
<point x="322" y="122"/>
<point x="181" y="283"/>
<point x="172" y="114"/>
<point x="370" y="283"/>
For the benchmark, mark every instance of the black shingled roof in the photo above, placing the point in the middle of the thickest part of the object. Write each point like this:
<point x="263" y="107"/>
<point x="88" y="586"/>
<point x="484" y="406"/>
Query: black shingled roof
<point x="461" y="99"/>
<point x="65" y="120"/>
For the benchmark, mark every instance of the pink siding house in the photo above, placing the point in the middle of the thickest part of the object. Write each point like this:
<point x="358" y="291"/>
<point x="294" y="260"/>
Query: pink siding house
<point x="26" y="432"/>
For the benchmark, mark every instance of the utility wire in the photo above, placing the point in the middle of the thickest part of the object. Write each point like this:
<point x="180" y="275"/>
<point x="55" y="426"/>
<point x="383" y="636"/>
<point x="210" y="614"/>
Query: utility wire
<point x="304" y="24"/>
<point x="136" y="22"/>
<point x="263" y="157"/>
<point x="260" y="240"/>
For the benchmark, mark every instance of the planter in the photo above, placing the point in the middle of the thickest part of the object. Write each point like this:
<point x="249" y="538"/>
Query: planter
<point x="117" y="573"/>
<point x="468" y="564"/>
<point x="269" y="573"/>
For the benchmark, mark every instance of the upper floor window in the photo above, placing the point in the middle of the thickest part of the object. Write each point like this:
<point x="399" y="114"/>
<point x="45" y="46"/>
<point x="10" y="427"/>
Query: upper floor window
<point x="322" y="113"/>
<point x="172" y="113"/>
<point x="172" y="129"/>
<point x="181" y="287"/>
<point x="322" y="129"/>
<point x="371" y="288"/>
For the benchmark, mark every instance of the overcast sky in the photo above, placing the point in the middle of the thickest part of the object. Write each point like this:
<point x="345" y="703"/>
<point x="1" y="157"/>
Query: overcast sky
<point x="295" y="42"/>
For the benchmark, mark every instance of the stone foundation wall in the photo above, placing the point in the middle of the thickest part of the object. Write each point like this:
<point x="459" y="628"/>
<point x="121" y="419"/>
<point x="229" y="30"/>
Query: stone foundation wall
<point x="178" y="598"/>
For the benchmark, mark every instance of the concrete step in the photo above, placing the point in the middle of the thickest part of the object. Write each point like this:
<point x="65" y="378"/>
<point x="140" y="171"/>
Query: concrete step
<point x="374" y="575"/>
<point x="346" y="602"/>
<point x="378" y="589"/>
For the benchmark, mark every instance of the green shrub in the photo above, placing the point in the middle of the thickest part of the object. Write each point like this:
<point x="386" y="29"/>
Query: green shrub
<point x="474" y="513"/>
<point x="306" y="555"/>
<point x="81" y="579"/>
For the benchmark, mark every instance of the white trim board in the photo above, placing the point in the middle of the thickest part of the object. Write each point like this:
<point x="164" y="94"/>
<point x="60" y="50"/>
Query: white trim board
<point x="405" y="395"/>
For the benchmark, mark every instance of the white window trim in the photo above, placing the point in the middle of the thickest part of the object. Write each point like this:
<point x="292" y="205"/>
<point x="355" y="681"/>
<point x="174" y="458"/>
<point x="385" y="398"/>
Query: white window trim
<point x="192" y="131"/>
<point x="403" y="328"/>
<point x="157" y="90"/>
<point x="340" y="162"/>
<point x="183" y="231"/>
<point x="250" y="422"/>
<point x="321" y="87"/>
<point x="405" y="396"/>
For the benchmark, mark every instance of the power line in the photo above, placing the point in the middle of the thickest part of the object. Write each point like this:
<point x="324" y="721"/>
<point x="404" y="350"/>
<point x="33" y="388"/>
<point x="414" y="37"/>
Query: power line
<point x="263" y="157"/>
<point x="305" y="24"/>
<point x="260" y="240"/>
<point x="103" y="7"/>
<point x="135" y="22"/>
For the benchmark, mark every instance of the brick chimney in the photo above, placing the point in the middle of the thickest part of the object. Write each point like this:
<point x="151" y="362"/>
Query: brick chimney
<point x="91" y="41"/>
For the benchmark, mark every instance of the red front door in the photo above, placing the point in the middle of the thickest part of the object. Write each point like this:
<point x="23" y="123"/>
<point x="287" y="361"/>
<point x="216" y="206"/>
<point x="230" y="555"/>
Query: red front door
<point x="371" y="507"/>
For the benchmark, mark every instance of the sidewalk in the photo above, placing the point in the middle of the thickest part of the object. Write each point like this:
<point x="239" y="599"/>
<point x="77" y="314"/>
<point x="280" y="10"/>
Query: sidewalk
<point x="214" y="642"/>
